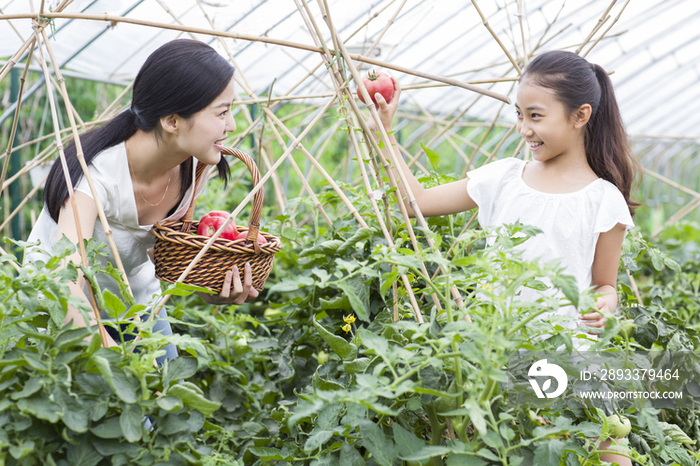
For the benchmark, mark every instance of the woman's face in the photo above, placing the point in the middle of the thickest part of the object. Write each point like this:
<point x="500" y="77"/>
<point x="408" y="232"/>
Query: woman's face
<point x="203" y="134"/>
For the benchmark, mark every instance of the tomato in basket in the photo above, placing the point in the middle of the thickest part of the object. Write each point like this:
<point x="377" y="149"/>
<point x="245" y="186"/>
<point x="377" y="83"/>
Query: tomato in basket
<point x="261" y="239"/>
<point x="211" y="222"/>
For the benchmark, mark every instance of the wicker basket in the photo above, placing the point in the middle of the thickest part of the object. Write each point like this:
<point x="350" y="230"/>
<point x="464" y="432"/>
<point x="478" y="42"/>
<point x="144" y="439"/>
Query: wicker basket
<point x="175" y="246"/>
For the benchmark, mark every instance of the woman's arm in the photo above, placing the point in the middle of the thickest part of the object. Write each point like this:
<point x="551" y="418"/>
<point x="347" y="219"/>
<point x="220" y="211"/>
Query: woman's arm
<point x="67" y="226"/>
<point x="604" y="274"/>
<point x="449" y="198"/>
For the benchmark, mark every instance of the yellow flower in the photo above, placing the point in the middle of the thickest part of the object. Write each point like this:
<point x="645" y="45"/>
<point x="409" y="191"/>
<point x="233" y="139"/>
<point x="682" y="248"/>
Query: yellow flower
<point x="349" y="319"/>
<point x="347" y="328"/>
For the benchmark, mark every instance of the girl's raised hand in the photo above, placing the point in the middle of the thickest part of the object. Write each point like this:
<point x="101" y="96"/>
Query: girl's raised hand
<point x="386" y="109"/>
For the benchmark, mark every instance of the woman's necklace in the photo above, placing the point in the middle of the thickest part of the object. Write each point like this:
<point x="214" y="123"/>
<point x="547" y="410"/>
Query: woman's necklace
<point x="133" y="177"/>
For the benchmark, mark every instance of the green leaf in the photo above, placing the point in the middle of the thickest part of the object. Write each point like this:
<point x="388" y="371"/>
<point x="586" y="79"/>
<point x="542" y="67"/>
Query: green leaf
<point x="32" y="386"/>
<point x="63" y="247"/>
<point x="169" y="403"/>
<point x="320" y="383"/>
<point x="269" y="454"/>
<point x="346" y="351"/>
<point x="109" y="428"/>
<point x="130" y="422"/>
<point x="179" y="369"/>
<point x="349" y="244"/>
<point x="192" y="397"/>
<point x="34" y="360"/>
<point x="567" y="284"/>
<point x="357" y="366"/>
<point x="339" y="302"/>
<point x="407" y="442"/>
<point x="354" y="295"/>
<point x="349" y="456"/>
<point x="69" y="338"/>
<point x="383" y="450"/>
<point x="75" y="412"/>
<point x="317" y="439"/>
<point x="20" y="451"/>
<point x="114" y="306"/>
<point x="675" y="433"/>
<point x="427" y="452"/>
<point x="327" y="248"/>
<point x="464" y="460"/>
<point x="377" y="343"/>
<point x="549" y="452"/>
<point x="433" y="157"/>
<point x="116" y="379"/>
<point x="41" y="407"/>
<point x="291" y="284"/>
<point x="83" y="454"/>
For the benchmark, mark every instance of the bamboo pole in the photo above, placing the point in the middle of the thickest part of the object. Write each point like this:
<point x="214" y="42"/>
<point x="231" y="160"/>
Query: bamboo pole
<point x="351" y="208"/>
<point x="339" y="82"/>
<point x="69" y="184"/>
<point x="617" y="18"/>
<point x="685" y="210"/>
<point x="603" y="19"/>
<point x="304" y="181"/>
<point x="369" y="136"/>
<point x="522" y="32"/>
<point x="81" y="159"/>
<point x="252" y="38"/>
<point x="383" y="31"/>
<point x="15" y="121"/>
<point x="495" y="36"/>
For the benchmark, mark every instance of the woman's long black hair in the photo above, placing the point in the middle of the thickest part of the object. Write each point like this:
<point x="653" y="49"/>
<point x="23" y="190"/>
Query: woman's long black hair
<point x="181" y="77"/>
<point x="575" y="82"/>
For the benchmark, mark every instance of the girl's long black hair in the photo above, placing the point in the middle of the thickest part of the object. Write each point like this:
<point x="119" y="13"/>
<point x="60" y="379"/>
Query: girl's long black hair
<point x="181" y="77"/>
<point x="576" y="82"/>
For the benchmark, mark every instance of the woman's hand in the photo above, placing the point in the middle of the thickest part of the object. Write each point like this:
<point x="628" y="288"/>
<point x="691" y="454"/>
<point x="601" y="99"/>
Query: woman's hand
<point x="242" y="292"/>
<point x="386" y="109"/>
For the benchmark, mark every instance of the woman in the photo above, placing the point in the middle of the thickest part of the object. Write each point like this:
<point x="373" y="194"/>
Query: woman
<point x="143" y="163"/>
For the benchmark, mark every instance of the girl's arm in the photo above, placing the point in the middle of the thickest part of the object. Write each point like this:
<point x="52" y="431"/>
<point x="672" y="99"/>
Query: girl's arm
<point x="604" y="274"/>
<point x="449" y="198"/>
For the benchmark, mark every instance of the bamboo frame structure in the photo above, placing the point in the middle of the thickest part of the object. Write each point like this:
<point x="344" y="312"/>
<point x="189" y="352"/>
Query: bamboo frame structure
<point x="328" y="50"/>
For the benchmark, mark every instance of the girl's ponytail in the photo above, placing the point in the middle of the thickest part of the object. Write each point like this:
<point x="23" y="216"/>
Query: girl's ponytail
<point x="607" y="148"/>
<point x="576" y="82"/>
<point x="119" y="129"/>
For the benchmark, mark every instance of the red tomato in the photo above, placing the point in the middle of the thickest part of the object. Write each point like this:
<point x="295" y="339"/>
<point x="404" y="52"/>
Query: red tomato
<point x="243" y="234"/>
<point x="378" y="82"/>
<point x="213" y="221"/>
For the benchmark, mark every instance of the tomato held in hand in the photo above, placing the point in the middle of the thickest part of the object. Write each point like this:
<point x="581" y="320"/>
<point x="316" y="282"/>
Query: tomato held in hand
<point x="377" y="82"/>
<point x="261" y="239"/>
<point x="212" y="221"/>
<point x="619" y="426"/>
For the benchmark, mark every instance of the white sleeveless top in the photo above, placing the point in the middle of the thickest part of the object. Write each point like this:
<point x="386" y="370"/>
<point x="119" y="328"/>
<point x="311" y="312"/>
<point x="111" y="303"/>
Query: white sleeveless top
<point x="110" y="174"/>
<point x="571" y="222"/>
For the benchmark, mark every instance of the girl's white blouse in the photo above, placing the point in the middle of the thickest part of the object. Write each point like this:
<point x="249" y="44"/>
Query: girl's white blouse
<point x="110" y="174"/>
<point x="571" y="223"/>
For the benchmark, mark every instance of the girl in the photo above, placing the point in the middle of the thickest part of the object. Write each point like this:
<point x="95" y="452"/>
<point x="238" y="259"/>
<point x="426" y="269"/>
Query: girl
<point x="576" y="189"/>
<point x="143" y="165"/>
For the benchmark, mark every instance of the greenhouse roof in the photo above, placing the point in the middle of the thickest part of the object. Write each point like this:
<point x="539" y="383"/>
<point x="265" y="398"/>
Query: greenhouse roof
<point x="652" y="47"/>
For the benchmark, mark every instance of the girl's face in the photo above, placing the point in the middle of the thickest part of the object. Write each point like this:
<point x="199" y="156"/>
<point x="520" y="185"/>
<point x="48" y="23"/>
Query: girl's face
<point x="203" y="134"/>
<point x="545" y="124"/>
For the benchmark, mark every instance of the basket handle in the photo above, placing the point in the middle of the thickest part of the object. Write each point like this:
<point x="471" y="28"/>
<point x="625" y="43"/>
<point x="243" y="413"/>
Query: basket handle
<point x="256" y="211"/>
